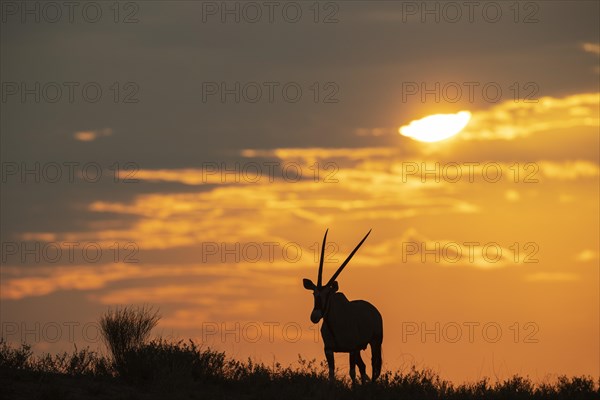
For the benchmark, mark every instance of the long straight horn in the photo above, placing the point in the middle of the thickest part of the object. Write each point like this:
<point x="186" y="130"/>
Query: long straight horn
<point x="347" y="259"/>
<point x="320" y="277"/>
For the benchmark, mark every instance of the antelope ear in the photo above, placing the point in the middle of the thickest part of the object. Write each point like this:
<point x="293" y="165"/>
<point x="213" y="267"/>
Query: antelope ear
<point x="334" y="286"/>
<point x="308" y="284"/>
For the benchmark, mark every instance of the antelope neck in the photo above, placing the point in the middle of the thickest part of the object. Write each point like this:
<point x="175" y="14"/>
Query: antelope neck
<point x="326" y="306"/>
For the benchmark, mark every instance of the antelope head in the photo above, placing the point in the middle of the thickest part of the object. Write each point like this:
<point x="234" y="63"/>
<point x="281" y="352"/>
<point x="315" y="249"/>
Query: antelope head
<point x="322" y="292"/>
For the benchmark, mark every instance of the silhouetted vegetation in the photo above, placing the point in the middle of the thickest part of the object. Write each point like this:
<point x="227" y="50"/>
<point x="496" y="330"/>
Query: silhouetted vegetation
<point x="139" y="368"/>
<point x="126" y="329"/>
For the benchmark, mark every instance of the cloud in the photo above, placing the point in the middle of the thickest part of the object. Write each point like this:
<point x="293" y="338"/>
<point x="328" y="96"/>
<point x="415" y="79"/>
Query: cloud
<point x="593" y="48"/>
<point x="414" y="247"/>
<point x="50" y="279"/>
<point x="90" y="136"/>
<point x="366" y="185"/>
<point x="569" y="170"/>
<point x="512" y="196"/>
<point x="376" y="132"/>
<point x="308" y="155"/>
<point x="205" y="295"/>
<point x="587" y="255"/>
<point x="378" y="170"/>
<point x="372" y="189"/>
<point x="511" y="120"/>
<point x="41" y="281"/>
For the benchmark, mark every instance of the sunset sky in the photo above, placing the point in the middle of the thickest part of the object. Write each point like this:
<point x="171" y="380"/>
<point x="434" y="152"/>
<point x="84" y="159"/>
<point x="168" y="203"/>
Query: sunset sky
<point x="484" y="252"/>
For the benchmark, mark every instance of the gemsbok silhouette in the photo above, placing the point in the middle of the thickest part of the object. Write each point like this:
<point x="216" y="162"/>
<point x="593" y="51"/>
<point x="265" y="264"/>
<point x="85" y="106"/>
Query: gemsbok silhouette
<point x="348" y="326"/>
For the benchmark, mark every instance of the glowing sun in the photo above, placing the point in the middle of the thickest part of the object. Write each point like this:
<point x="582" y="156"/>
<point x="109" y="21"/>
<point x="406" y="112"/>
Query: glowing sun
<point x="436" y="127"/>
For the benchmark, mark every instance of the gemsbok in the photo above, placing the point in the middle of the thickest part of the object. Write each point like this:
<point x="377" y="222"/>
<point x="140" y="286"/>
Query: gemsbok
<point x="348" y="326"/>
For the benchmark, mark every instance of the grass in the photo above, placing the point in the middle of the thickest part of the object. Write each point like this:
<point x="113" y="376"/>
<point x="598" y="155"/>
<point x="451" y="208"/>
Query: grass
<point x="126" y="329"/>
<point x="139" y="368"/>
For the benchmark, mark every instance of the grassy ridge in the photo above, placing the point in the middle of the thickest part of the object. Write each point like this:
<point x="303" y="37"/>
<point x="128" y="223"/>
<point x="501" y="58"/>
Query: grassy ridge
<point x="160" y="369"/>
<point x="139" y="368"/>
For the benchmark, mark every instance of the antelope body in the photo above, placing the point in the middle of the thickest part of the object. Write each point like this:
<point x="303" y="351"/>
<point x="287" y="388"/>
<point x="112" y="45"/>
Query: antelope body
<point x="348" y="326"/>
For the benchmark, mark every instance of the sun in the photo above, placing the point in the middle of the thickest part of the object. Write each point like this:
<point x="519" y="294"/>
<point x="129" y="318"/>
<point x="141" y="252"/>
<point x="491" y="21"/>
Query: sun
<point x="436" y="127"/>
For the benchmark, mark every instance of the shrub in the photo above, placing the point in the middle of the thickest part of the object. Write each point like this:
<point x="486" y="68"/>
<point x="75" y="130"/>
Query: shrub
<point x="163" y="362"/>
<point x="158" y="360"/>
<point x="79" y="362"/>
<point x="576" y="387"/>
<point x="14" y="358"/>
<point x="126" y="329"/>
